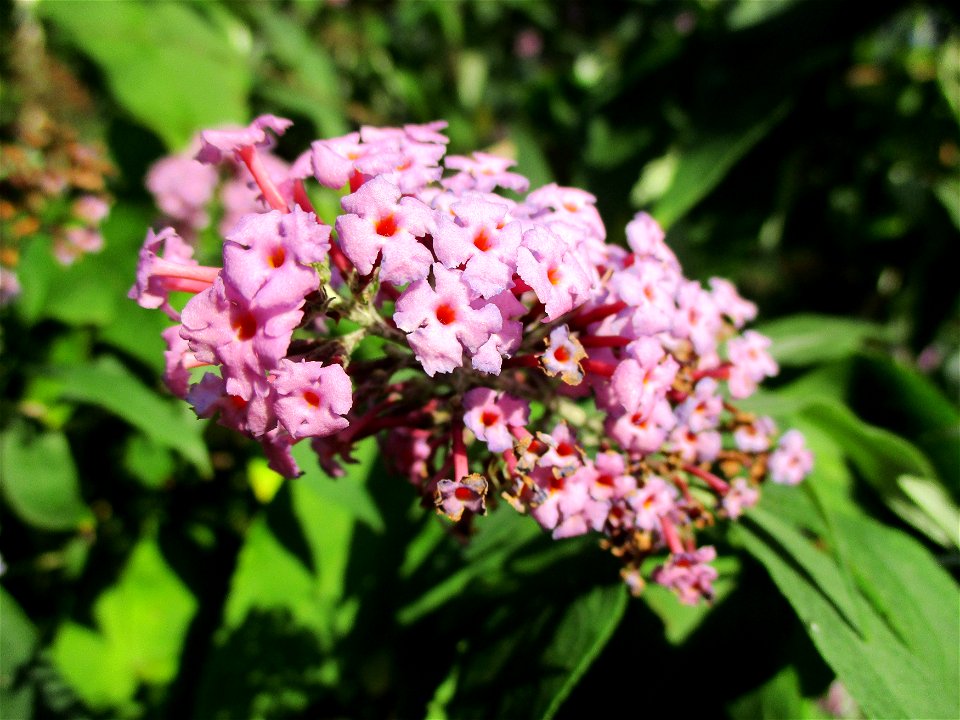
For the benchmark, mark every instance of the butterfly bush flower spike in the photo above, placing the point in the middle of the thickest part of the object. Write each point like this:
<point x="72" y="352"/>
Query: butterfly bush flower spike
<point x="524" y="358"/>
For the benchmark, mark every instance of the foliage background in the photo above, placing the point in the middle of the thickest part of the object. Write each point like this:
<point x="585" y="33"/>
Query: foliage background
<point x="155" y="568"/>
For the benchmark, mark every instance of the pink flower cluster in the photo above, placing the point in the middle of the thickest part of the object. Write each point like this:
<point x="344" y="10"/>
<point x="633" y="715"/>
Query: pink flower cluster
<point x="483" y="305"/>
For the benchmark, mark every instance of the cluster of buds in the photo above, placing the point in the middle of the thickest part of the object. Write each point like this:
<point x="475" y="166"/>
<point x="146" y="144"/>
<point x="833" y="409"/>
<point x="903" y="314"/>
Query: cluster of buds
<point x="497" y="346"/>
<point x="52" y="183"/>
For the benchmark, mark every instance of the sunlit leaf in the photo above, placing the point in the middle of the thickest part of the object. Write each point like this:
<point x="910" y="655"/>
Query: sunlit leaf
<point x="171" y="69"/>
<point x="141" y="624"/>
<point x="778" y="698"/>
<point x="809" y="339"/>
<point x="902" y="660"/>
<point x="288" y="593"/>
<point x="166" y="421"/>
<point x="536" y="662"/>
<point x="18" y="641"/>
<point x="39" y="479"/>
<point x="312" y="85"/>
<point x="700" y="169"/>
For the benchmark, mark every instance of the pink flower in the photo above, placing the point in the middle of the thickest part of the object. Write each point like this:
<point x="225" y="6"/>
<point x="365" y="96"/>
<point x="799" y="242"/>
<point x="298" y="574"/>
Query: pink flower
<point x="483" y="173"/>
<point x="641" y="435"/>
<point x="441" y="321"/>
<point x="453" y="497"/>
<point x="751" y="363"/>
<point x="689" y="575"/>
<point x="215" y="144"/>
<point x="379" y="223"/>
<point x="490" y="415"/>
<point x="755" y="436"/>
<point x="479" y="241"/>
<point x="563" y="355"/>
<point x="791" y="462"/>
<point x="741" y="496"/>
<point x="182" y="187"/>
<point x="653" y="501"/>
<point x="645" y="238"/>
<point x="729" y="302"/>
<point x="642" y="380"/>
<point x="267" y="257"/>
<point x="503" y="342"/>
<point x="312" y="398"/>
<point x="554" y="272"/>
<point x="176" y="270"/>
<point x="701" y="411"/>
<point x="571" y="205"/>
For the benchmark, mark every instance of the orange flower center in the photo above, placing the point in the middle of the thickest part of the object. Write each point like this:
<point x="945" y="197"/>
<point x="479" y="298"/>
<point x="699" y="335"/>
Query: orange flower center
<point x="387" y="226"/>
<point x="446" y="314"/>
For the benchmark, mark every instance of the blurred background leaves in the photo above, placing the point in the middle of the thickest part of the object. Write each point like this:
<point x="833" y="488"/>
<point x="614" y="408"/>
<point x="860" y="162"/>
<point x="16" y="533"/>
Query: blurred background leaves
<point x="806" y="151"/>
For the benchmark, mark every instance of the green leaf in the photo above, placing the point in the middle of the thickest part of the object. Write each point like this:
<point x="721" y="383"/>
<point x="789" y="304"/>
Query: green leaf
<point x="531" y="162"/>
<point x="778" y="698"/>
<point x="701" y="168"/>
<point x="809" y="339"/>
<point x="39" y="479"/>
<point x="312" y="84"/>
<point x="18" y="641"/>
<point x="89" y="665"/>
<point x="142" y="622"/>
<point x="913" y="406"/>
<point x="288" y="605"/>
<point x="747" y="13"/>
<point x="350" y="492"/>
<point x="929" y="496"/>
<point x="947" y="191"/>
<point x="502" y="537"/>
<point x="166" y="65"/>
<point x="168" y="422"/>
<point x="901" y="661"/>
<point x="151" y="464"/>
<point x="36" y="271"/>
<point x="537" y="661"/>
<point x="882" y="458"/>
<point x="948" y="76"/>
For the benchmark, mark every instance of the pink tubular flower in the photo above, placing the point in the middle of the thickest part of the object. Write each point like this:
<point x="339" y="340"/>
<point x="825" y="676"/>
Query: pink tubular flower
<point x="653" y="501"/>
<point x="182" y="187"/>
<point x="483" y="173"/>
<point x="177" y="359"/>
<point x="246" y="339"/>
<point x="480" y="242"/>
<point x="441" y="321"/>
<point x="791" y="462"/>
<point x="751" y="363"/>
<point x="563" y="355"/>
<point x="701" y="411"/>
<point x="571" y="205"/>
<point x="645" y="238"/>
<point x="730" y="303"/>
<point x="755" y="436"/>
<point x="176" y="270"/>
<point x="741" y="496"/>
<point x="490" y="415"/>
<point x="503" y="342"/>
<point x="312" y="398"/>
<point x="379" y="223"/>
<point x="642" y="380"/>
<point x="520" y="300"/>
<point x="217" y="144"/>
<point x="453" y="497"/>
<point x="689" y="575"/>
<point x="267" y="257"/>
<point x="553" y="270"/>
